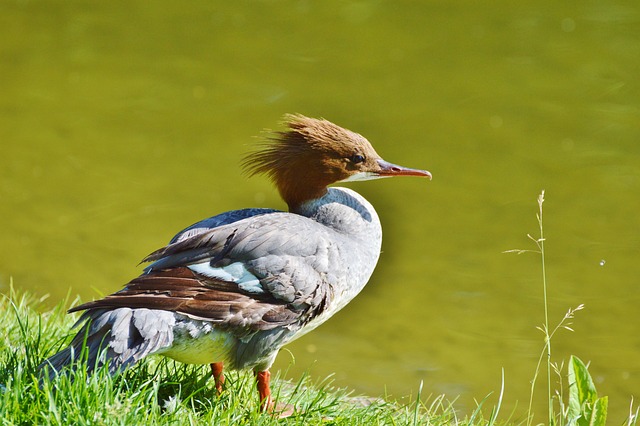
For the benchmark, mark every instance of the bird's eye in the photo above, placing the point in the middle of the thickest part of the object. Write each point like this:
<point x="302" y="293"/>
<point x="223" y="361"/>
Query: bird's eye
<point x="357" y="158"/>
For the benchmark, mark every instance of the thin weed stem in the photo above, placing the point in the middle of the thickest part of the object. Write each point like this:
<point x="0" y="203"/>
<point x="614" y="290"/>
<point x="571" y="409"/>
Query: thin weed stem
<point x="564" y="323"/>
<point x="547" y="337"/>
<point x="539" y="242"/>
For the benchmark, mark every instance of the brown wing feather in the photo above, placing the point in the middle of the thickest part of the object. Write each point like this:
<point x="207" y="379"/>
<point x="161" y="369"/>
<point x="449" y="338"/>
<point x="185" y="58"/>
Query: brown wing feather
<point x="212" y="244"/>
<point x="184" y="291"/>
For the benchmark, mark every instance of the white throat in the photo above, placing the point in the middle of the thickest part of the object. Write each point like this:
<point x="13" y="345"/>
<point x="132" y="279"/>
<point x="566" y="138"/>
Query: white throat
<point x="360" y="176"/>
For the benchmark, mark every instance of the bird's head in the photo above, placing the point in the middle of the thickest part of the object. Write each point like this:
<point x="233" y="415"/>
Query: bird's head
<point x="314" y="153"/>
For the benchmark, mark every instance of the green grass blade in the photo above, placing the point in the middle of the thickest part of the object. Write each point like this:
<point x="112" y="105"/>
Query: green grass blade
<point x="599" y="412"/>
<point x="585" y="408"/>
<point x="582" y="392"/>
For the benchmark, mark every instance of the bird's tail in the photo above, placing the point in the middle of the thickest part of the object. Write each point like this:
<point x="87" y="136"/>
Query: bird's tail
<point x="117" y="338"/>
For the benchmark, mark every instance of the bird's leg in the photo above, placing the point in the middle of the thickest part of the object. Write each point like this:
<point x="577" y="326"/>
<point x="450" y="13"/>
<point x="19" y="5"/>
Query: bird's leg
<point x="218" y="375"/>
<point x="263" y="379"/>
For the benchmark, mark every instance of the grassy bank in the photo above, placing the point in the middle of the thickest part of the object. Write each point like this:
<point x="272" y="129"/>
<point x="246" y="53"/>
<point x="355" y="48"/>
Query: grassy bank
<point x="159" y="392"/>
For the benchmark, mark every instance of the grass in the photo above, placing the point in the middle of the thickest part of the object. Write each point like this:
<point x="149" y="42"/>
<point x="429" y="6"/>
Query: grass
<point x="161" y="392"/>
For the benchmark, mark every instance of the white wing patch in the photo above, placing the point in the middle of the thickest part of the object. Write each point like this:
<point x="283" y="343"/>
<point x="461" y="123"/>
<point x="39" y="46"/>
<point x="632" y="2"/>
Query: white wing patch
<point x="235" y="273"/>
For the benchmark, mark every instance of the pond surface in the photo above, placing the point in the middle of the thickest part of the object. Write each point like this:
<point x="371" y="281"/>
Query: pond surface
<point x="123" y="122"/>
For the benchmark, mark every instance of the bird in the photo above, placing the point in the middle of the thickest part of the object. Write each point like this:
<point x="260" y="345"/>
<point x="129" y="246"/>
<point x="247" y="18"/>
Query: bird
<point x="231" y="290"/>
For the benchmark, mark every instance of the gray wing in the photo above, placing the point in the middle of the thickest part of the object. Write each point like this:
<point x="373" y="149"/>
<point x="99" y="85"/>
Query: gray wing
<point x="257" y="273"/>
<point x="248" y="272"/>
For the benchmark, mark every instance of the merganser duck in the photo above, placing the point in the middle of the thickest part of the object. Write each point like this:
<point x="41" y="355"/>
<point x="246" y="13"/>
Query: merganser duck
<point x="232" y="289"/>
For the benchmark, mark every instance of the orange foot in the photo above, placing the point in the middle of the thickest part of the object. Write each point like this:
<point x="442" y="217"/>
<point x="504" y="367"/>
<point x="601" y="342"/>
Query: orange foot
<point x="267" y="405"/>
<point x="218" y="375"/>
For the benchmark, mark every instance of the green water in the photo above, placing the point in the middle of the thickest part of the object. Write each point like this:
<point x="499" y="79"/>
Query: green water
<point x="123" y="122"/>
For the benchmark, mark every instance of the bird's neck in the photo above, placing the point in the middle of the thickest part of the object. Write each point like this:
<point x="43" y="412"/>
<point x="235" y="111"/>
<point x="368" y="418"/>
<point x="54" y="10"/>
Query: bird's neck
<point x="298" y="186"/>
<point x="345" y="211"/>
<point x="298" y="193"/>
